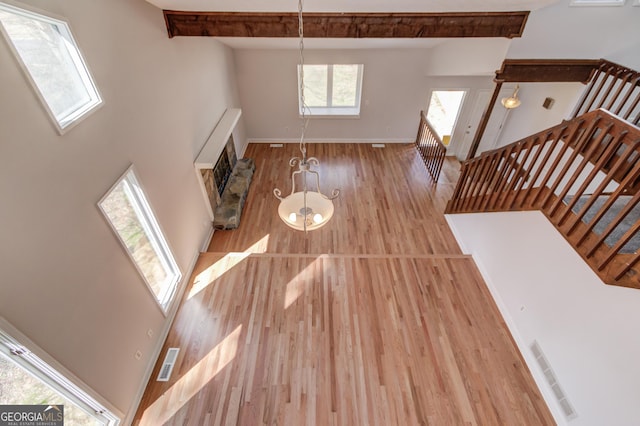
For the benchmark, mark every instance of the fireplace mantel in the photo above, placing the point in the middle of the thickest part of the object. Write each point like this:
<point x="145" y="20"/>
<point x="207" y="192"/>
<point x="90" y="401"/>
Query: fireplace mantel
<point x="210" y="153"/>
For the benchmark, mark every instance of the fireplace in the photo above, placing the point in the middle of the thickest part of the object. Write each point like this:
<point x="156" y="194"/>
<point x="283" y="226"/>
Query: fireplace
<point x="217" y="159"/>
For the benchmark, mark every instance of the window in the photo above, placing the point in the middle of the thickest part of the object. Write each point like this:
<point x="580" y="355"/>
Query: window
<point x="331" y="89"/>
<point x="597" y="2"/>
<point x="130" y="216"/>
<point x="26" y="379"/>
<point x="48" y="53"/>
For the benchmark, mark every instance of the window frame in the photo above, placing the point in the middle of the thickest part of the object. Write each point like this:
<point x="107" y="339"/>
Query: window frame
<point x="70" y="119"/>
<point x="28" y="356"/>
<point x="587" y="3"/>
<point x="331" y="110"/>
<point x="156" y="237"/>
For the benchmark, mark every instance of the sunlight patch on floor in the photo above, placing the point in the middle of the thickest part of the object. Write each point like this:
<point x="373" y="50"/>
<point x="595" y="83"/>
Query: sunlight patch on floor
<point x="228" y="261"/>
<point x="193" y="381"/>
<point x="300" y="283"/>
<point x="215" y="271"/>
<point x="259" y="246"/>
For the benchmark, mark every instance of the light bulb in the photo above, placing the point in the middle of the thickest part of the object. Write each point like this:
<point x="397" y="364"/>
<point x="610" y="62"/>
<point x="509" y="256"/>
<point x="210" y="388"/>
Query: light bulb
<point x="317" y="218"/>
<point x="292" y="217"/>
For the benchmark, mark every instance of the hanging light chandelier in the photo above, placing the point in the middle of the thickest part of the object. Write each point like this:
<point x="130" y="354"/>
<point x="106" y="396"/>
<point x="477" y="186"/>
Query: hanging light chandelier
<point x="305" y="209"/>
<point x="512" y="101"/>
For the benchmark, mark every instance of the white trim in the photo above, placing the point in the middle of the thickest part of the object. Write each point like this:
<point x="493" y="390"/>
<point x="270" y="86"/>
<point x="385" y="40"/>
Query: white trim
<point x="330" y="111"/>
<point x="165" y="253"/>
<point x="207" y="239"/>
<point x="71" y="120"/>
<point x="217" y="140"/>
<point x="66" y="382"/>
<point x="331" y="140"/>
<point x="212" y="148"/>
<point x="582" y="3"/>
<point x="523" y="348"/>
<point x="171" y="315"/>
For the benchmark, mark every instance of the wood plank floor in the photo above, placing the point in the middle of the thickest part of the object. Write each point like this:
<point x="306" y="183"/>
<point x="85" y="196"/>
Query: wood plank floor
<point x="387" y="204"/>
<point x="376" y="319"/>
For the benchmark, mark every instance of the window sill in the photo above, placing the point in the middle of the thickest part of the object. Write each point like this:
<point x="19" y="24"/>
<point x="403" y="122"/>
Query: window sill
<point x="332" y="113"/>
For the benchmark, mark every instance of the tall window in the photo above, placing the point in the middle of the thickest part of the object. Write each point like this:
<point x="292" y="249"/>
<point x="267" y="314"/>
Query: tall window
<point x="48" y="53"/>
<point x="26" y="379"/>
<point x="331" y="89"/>
<point x="130" y="216"/>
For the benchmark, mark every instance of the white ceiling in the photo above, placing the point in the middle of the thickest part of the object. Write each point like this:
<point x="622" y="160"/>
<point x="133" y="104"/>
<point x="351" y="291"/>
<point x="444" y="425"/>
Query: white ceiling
<point x="389" y="6"/>
<point x="333" y="43"/>
<point x="352" y="5"/>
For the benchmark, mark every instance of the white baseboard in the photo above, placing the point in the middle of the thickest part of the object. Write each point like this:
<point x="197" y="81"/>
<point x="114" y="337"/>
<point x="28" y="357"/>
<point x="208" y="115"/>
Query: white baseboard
<point x="522" y="346"/>
<point x="330" y="140"/>
<point x="163" y="334"/>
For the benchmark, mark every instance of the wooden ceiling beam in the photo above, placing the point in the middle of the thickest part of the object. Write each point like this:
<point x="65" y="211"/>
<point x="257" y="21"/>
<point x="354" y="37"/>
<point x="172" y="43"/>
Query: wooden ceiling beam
<point x="547" y="70"/>
<point x="347" y="25"/>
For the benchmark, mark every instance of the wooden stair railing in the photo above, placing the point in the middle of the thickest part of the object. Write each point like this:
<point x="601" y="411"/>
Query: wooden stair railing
<point x="615" y="88"/>
<point x="578" y="174"/>
<point x="430" y="146"/>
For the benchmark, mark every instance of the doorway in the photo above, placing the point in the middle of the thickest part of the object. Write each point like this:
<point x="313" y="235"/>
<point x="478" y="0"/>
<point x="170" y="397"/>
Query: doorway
<point x="493" y="130"/>
<point x="443" y="111"/>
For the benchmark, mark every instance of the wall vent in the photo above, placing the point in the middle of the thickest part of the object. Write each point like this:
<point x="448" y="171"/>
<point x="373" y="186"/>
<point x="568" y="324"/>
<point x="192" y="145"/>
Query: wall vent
<point x="167" y="365"/>
<point x="567" y="408"/>
<point x="275" y="145"/>
<point x="377" y="145"/>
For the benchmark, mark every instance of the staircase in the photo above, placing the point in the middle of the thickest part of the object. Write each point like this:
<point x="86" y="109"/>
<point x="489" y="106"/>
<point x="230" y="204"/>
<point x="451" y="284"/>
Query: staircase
<point x="582" y="174"/>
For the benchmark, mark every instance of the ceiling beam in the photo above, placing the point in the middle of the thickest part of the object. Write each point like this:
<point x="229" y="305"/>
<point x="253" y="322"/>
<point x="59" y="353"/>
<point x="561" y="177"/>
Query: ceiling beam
<point x="534" y="71"/>
<point x="346" y="25"/>
<point x="547" y="70"/>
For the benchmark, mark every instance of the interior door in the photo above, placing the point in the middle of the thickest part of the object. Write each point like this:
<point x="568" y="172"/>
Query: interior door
<point x="494" y="126"/>
<point x="482" y="98"/>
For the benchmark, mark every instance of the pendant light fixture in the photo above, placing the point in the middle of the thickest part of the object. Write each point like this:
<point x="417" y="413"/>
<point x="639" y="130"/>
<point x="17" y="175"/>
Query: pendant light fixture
<point x="512" y="101"/>
<point x="305" y="209"/>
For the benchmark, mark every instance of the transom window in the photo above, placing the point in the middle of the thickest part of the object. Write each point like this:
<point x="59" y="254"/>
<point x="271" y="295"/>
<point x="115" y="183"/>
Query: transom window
<point x="331" y="89"/>
<point x="129" y="214"/>
<point x="48" y="53"/>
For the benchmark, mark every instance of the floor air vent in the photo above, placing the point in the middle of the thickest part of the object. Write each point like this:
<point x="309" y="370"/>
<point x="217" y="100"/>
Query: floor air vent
<point x="275" y="145"/>
<point x="167" y="365"/>
<point x="566" y="406"/>
<point x="377" y="145"/>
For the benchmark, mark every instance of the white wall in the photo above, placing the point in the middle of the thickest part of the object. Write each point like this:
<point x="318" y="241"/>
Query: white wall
<point x="587" y="330"/>
<point x="393" y="92"/>
<point x="560" y="31"/>
<point x="468" y="56"/>
<point x="67" y="284"/>
<point x="531" y="117"/>
<point x="395" y="89"/>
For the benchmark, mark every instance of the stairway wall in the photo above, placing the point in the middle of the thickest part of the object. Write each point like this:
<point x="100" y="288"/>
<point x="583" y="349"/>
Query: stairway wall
<point x="587" y="330"/>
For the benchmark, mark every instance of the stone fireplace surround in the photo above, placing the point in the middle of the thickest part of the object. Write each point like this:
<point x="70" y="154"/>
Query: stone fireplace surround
<point x="224" y="179"/>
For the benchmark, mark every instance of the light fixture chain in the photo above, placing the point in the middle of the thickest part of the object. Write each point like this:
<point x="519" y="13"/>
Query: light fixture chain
<point x="305" y="120"/>
<point x="317" y="208"/>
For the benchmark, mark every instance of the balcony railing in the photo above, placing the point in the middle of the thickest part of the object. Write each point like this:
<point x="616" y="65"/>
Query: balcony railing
<point x="583" y="175"/>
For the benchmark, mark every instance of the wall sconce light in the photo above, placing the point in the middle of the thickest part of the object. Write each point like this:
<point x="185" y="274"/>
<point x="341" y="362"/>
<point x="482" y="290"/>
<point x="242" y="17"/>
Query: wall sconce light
<point x="512" y="101"/>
